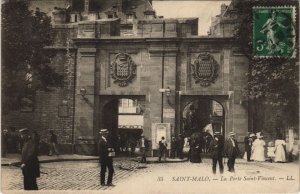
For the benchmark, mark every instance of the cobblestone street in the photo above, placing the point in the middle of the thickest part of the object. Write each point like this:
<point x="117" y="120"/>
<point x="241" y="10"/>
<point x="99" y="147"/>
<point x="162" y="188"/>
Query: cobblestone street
<point x="133" y="177"/>
<point x="69" y="175"/>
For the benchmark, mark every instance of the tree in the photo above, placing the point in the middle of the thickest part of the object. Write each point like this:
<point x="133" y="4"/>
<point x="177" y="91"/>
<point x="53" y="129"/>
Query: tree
<point x="273" y="83"/>
<point x="25" y="64"/>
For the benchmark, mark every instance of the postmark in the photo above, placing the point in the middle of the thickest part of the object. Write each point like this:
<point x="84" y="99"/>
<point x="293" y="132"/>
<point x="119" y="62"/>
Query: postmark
<point x="274" y="32"/>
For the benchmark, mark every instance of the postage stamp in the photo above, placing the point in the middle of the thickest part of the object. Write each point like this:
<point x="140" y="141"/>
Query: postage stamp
<point x="274" y="32"/>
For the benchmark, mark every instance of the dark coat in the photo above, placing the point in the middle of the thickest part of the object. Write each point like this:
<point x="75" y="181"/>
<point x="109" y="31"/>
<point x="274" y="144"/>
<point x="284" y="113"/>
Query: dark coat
<point x="248" y="143"/>
<point x="53" y="138"/>
<point x="162" y="146"/>
<point x="195" y="150"/>
<point x="231" y="151"/>
<point x="180" y="143"/>
<point x="216" y="148"/>
<point x="103" y="150"/>
<point x="30" y="159"/>
<point x="174" y="144"/>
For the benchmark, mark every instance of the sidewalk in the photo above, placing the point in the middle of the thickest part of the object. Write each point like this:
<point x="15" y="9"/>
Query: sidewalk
<point x="10" y="158"/>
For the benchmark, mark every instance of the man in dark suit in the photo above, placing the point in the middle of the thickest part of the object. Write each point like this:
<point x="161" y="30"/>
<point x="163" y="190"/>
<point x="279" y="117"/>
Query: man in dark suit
<point x="232" y="151"/>
<point x="29" y="163"/>
<point x="248" y="140"/>
<point x="173" y="147"/>
<point x="180" y="144"/>
<point x="144" y="145"/>
<point x="217" y="148"/>
<point x="106" y="153"/>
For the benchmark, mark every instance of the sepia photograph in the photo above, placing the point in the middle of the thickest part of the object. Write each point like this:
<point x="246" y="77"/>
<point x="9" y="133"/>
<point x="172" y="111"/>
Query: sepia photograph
<point x="150" y="96"/>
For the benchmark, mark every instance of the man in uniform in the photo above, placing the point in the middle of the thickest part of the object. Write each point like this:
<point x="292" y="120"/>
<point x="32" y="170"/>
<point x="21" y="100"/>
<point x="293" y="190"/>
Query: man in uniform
<point x="29" y="163"/>
<point x="216" y="148"/>
<point x="232" y="151"/>
<point x="105" y="153"/>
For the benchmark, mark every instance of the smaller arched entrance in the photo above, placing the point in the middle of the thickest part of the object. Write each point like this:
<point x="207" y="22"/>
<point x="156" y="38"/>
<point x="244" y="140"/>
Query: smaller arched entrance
<point x="200" y="118"/>
<point x="124" y="119"/>
<point x="203" y="115"/>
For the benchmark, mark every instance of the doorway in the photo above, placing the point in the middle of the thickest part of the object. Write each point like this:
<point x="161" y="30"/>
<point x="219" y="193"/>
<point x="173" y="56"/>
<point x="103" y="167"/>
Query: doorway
<point x="124" y="119"/>
<point x="203" y="115"/>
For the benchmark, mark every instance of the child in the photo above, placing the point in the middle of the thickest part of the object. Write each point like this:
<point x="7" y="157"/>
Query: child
<point x="271" y="151"/>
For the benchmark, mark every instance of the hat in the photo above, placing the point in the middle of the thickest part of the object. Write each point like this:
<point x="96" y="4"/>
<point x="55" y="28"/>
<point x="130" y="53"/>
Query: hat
<point x="23" y="130"/>
<point x="103" y="131"/>
<point x="252" y="135"/>
<point x="231" y="134"/>
<point x="217" y="133"/>
<point x="258" y="135"/>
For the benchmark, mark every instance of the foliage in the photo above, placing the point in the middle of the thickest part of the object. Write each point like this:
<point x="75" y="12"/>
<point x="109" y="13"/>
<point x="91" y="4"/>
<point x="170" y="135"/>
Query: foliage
<point x="25" y="64"/>
<point x="273" y="81"/>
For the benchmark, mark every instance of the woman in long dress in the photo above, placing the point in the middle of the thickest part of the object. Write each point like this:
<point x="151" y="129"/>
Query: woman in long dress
<point x="279" y="150"/>
<point x="258" y="149"/>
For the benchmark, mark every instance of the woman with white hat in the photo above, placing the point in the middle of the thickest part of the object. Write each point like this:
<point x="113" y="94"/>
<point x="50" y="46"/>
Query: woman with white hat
<point x="258" y="148"/>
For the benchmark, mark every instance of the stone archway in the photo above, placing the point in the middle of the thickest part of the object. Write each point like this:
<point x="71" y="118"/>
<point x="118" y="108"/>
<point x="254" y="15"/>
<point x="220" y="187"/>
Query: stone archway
<point x="203" y="108"/>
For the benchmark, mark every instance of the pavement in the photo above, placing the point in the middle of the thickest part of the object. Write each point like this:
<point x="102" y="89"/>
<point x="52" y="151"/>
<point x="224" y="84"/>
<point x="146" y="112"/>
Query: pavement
<point x="168" y="177"/>
<point x="11" y="158"/>
<point x="193" y="178"/>
<point x="80" y="172"/>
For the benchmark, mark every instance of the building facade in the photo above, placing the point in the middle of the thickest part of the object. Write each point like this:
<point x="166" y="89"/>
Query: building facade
<point x="133" y="72"/>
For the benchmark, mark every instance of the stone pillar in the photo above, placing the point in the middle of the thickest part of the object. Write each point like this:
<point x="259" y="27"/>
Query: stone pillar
<point x="84" y="104"/>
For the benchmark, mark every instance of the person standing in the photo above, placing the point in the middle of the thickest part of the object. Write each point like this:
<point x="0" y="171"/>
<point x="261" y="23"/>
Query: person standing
<point x="173" y="147"/>
<point x="162" y="149"/>
<point x="53" y="143"/>
<point x="132" y="143"/>
<point x="232" y="151"/>
<point x="29" y="163"/>
<point x="36" y="139"/>
<point x="143" y="148"/>
<point x="217" y="148"/>
<point x="280" y="155"/>
<point x="180" y="145"/>
<point x="4" y="136"/>
<point x="195" y="149"/>
<point x="248" y="145"/>
<point x="105" y="158"/>
<point x="258" y="149"/>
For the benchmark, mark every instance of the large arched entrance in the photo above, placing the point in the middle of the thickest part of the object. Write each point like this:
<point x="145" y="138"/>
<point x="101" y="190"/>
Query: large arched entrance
<point x="123" y="117"/>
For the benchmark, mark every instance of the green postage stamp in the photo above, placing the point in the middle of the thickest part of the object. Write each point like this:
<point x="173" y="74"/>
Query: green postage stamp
<point x="274" y="32"/>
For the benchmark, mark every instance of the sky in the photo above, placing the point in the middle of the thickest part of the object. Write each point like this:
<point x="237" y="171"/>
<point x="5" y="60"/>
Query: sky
<point x="204" y="10"/>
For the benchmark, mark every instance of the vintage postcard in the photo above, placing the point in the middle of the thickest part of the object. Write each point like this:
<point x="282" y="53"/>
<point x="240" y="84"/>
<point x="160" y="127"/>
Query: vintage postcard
<point x="150" y="96"/>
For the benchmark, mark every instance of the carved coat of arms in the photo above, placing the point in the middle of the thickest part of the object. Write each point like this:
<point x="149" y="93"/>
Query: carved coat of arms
<point x="123" y="69"/>
<point x="205" y="69"/>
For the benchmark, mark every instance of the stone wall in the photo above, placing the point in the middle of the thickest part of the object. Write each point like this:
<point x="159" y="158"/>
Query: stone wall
<point x="53" y="110"/>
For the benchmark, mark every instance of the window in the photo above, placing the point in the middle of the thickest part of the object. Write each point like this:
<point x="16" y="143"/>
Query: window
<point x="128" y="106"/>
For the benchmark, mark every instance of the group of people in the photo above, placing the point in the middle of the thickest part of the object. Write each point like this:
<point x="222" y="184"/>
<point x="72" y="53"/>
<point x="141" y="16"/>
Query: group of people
<point x="255" y="148"/>
<point x="12" y="142"/>
<point x="219" y="148"/>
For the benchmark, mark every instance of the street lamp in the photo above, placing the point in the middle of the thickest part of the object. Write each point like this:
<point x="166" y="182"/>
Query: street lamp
<point x="83" y="92"/>
<point x="167" y="92"/>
